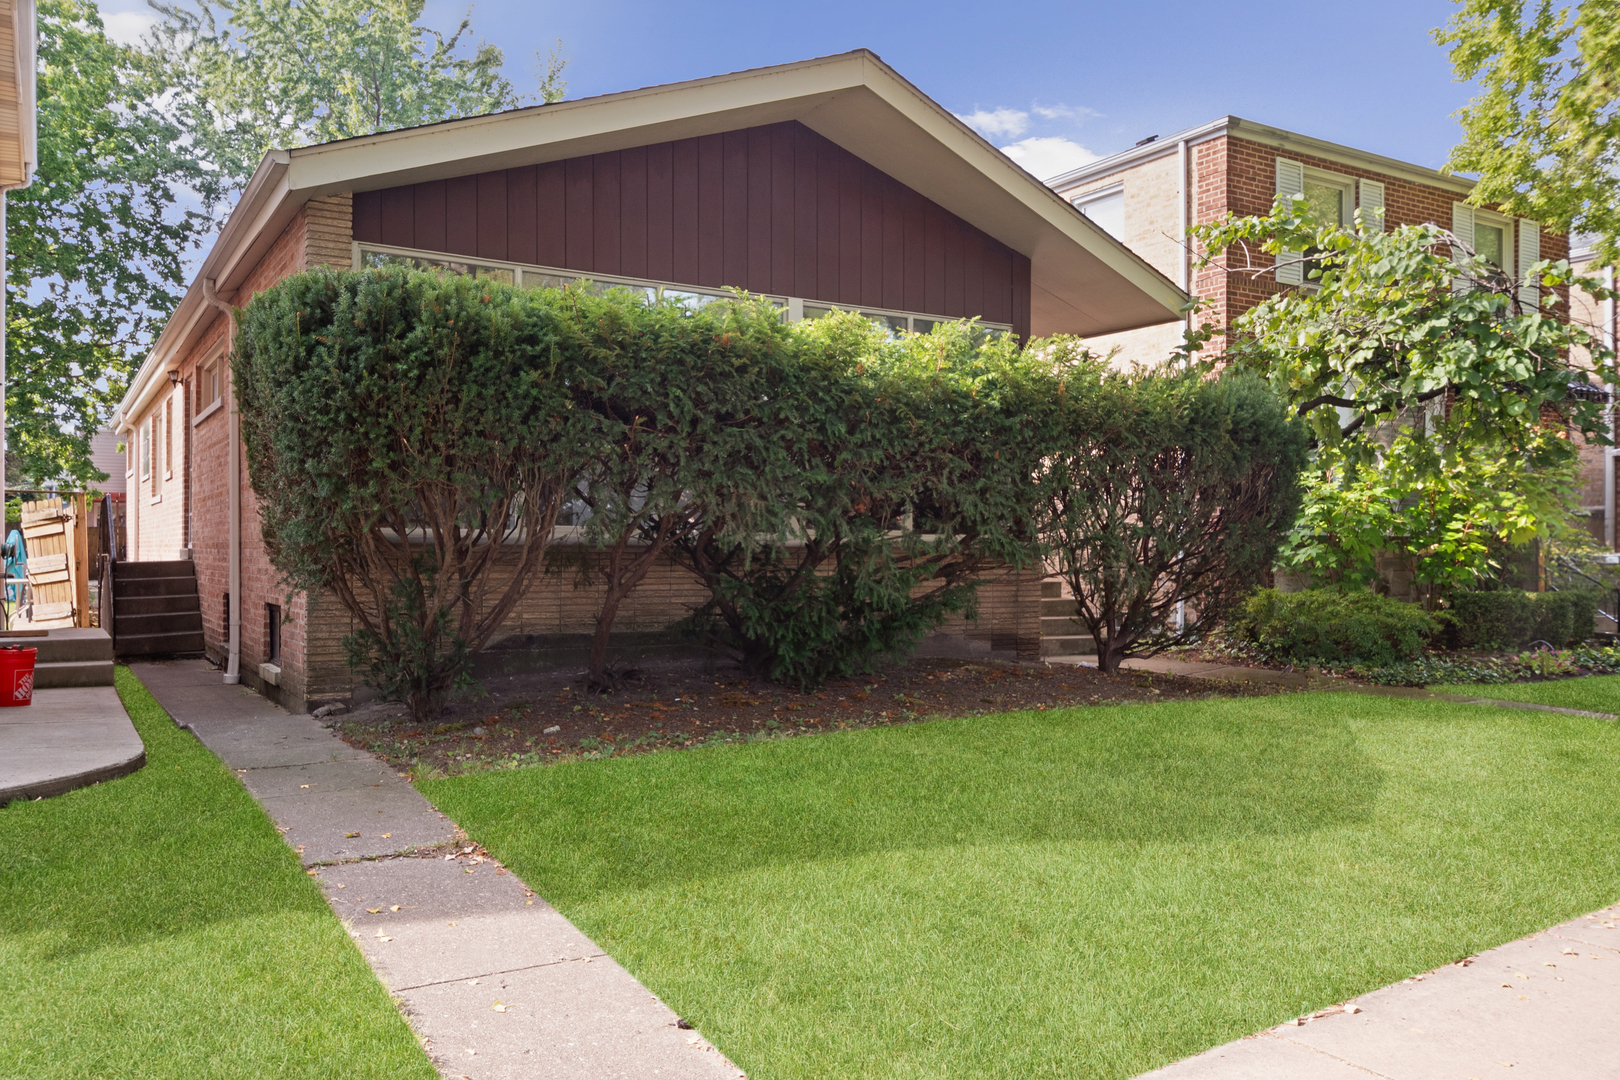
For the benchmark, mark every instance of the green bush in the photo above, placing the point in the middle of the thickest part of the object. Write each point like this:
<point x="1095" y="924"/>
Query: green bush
<point x="1509" y="618"/>
<point x="1332" y="627"/>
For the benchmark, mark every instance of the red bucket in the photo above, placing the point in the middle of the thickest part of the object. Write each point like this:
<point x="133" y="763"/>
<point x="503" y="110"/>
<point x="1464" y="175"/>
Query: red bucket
<point x="16" y="675"/>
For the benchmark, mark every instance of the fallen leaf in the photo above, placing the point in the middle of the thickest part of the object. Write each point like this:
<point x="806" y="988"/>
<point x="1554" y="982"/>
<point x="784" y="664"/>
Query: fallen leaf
<point x="1548" y="963"/>
<point x="393" y="907"/>
<point x="498" y="1007"/>
<point x="1569" y="952"/>
<point x="528" y="901"/>
<point x="373" y="910"/>
<point x="1352" y="1007"/>
<point x="387" y="835"/>
<point x="303" y="785"/>
<point x="350" y="835"/>
<point x="312" y="873"/>
<point x="472" y="982"/>
<point x="1520" y="975"/>
<point x="450" y="924"/>
<point x="383" y="937"/>
<point x="343" y="886"/>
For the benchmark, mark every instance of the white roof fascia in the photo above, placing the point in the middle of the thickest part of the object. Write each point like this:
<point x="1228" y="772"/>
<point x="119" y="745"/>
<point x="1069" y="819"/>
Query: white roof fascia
<point x="252" y="227"/>
<point x="1269" y="136"/>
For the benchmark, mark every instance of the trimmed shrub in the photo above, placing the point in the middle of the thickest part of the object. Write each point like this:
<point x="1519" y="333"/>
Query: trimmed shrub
<point x="1328" y="626"/>
<point x="1509" y="618"/>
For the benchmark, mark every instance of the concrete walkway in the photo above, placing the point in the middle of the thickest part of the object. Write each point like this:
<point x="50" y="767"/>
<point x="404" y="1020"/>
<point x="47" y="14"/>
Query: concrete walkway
<point x="1543" y="1007"/>
<point x="68" y="738"/>
<point x="496" y="982"/>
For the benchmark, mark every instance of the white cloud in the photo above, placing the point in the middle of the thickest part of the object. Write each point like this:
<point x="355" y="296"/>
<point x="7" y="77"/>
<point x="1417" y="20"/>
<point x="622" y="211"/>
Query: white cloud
<point x="1048" y="155"/>
<point x="1003" y="123"/>
<point x="128" y="27"/>
<point x="1077" y="113"/>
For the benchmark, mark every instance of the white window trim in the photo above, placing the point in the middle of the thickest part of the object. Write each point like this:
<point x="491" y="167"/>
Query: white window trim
<point x="1345" y="184"/>
<point x="793" y="306"/>
<point x="206" y="413"/>
<point x="168" y="436"/>
<point x="143" y="453"/>
<point x="1096" y="195"/>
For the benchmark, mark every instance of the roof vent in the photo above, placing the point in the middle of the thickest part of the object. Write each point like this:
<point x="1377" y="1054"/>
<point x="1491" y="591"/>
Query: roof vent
<point x="1144" y="142"/>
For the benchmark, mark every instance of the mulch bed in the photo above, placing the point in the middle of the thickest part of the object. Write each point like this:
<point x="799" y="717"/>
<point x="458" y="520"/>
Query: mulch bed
<point x="549" y="716"/>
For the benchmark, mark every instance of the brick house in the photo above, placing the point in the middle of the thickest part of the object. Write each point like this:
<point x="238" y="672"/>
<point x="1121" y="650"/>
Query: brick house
<point x="1151" y="194"/>
<point x="827" y="182"/>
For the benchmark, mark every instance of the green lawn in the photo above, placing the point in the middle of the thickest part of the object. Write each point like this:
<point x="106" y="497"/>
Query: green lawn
<point x="157" y="926"/>
<point x="1595" y="693"/>
<point x="1090" y="892"/>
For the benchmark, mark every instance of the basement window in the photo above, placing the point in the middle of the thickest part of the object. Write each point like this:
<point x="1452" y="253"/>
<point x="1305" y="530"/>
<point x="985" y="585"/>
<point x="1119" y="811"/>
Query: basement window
<point x="1106" y="208"/>
<point x="272" y="619"/>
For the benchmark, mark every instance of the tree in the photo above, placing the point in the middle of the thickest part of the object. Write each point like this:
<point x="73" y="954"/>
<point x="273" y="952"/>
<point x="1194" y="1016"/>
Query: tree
<point x="1544" y="136"/>
<point x="681" y="407"/>
<point x="897" y="473"/>
<point x="95" y="246"/>
<point x="260" y="74"/>
<point x="1441" y="390"/>
<point x="409" y="438"/>
<point x="1165" y="492"/>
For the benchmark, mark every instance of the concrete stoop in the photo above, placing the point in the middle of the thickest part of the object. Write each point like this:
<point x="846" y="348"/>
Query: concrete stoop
<point x="67" y="657"/>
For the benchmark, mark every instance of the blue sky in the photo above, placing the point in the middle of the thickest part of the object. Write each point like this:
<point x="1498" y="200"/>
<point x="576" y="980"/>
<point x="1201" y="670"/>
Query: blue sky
<point x="1055" y="83"/>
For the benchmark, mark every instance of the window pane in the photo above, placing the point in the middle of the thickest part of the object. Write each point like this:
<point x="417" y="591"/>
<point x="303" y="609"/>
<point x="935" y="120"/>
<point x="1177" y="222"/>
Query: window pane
<point x="1108" y="212"/>
<point x="923" y="326"/>
<point x="816" y="311"/>
<point x="692" y="300"/>
<point x="1488" y="242"/>
<point x="374" y="259"/>
<point x="533" y="279"/>
<point x="1326" y="202"/>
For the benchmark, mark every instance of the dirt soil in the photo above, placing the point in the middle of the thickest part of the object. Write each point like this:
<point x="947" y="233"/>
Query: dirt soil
<point x="665" y="704"/>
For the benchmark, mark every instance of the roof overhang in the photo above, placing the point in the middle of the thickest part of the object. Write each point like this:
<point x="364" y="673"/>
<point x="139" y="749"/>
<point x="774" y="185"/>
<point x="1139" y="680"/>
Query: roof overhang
<point x="1083" y="280"/>
<point x="18" y="143"/>
<point x="1266" y="135"/>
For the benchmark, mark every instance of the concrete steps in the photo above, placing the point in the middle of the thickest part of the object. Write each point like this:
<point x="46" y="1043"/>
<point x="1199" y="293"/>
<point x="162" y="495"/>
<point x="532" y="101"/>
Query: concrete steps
<point x="67" y="658"/>
<point x="1063" y="635"/>
<point x="156" y="611"/>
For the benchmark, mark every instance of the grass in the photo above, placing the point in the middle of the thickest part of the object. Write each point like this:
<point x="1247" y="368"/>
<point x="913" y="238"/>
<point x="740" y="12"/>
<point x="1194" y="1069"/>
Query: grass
<point x="1595" y="693"/>
<point x="157" y="926"/>
<point x="1089" y="892"/>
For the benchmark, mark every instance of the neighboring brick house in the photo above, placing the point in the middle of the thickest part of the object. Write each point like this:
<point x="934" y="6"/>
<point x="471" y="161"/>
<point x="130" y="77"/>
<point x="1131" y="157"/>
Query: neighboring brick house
<point x="1149" y="196"/>
<point x="827" y="182"/>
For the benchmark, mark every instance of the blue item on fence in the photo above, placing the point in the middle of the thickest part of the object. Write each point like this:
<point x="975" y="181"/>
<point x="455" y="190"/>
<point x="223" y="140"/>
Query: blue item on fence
<point x="16" y="561"/>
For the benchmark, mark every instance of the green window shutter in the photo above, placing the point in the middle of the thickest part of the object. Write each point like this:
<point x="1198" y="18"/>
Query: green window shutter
<point x="1370" y="198"/>
<point x="1290" y="182"/>
<point x="1462" y="227"/>
<point x="1529" y="255"/>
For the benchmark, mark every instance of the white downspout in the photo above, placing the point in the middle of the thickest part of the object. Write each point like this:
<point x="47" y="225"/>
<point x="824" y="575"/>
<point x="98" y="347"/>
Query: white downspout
<point x="1609" y="451"/>
<point x="233" y="661"/>
<point x="24" y="39"/>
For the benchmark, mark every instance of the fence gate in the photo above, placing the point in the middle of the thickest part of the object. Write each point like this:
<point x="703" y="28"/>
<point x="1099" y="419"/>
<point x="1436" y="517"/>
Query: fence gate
<point x="57" y="533"/>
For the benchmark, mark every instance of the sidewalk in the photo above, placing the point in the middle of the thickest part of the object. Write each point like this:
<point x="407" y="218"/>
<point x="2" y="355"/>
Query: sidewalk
<point x="68" y="738"/>
<point x="496" y="982"/>
<point x="1543" y="1006"/>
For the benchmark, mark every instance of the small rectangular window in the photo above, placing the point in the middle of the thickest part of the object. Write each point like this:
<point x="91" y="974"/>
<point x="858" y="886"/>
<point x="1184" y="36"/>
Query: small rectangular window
<point x="144" y="435"/>
<point x="272" y="620"/>
<point x="1106" y="208"/>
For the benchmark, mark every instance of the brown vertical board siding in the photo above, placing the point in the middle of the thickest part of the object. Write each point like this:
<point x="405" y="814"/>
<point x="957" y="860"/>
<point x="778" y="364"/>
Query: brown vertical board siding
<point x="784" y="265"/>
<point x="429" y="214"/>
<point x="461" y="215"/>
<point x="775" y="209"/>
<point x="368" y="216"/>
<point x="492" y="227"/>
<point x="523" y="244"/>
<point x="734" y="209"/>
<point x="894" y="244"/>
<point x="871" y="236"/>
<point x="953" y="265"/>
<point x="916" y="213"/>
<point x="828" y="221"/>
<point x="1019" y="316"/>
<point x="607" y="215"/>
<point x="806" y="182"/>
<point x="759" y="209"/>
<point x="633" y="218"/>
<point x="711" y="209"/>
<point x="934" y="259"/>
<point x="551" y="218"/>
<point x="578" y="199"/>
<point x="399" y="216"/>
<point x="660" y="212"/>
<point x="849" y="231"/>
<point x="973" y="259"/>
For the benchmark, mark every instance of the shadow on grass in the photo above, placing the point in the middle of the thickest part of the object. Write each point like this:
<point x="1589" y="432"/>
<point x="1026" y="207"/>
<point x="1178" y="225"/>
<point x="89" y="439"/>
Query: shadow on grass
<point x="1140" y="774"/>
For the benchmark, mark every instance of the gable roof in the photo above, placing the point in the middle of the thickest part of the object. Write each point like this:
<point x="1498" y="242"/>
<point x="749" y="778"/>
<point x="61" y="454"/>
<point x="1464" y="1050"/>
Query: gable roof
<point x="1083" y="281"/>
